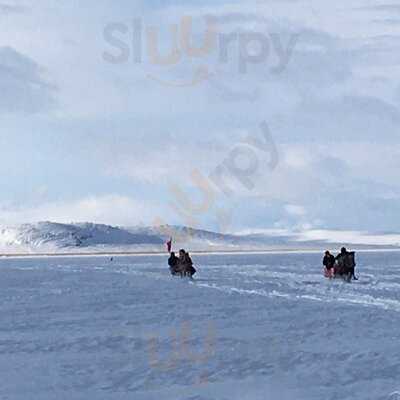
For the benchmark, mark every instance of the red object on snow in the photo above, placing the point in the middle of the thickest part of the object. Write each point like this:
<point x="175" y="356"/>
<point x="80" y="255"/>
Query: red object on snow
<point x="169" y="245"/>
<point x="329" y="273"/>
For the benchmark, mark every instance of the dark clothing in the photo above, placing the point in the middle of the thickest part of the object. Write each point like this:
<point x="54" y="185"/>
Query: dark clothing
<point x="346" y="264"/>
<point x="182" y="265"/>
<point x="172" y="261"/>
<point x="186" y="264"/>
<point x="329" y="261"/>
<point x="188" y="260"/>
<point x="173" y="264"/>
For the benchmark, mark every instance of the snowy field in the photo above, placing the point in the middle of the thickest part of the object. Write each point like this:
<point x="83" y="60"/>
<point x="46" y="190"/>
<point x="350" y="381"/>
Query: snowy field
<point x="248" y="327"/>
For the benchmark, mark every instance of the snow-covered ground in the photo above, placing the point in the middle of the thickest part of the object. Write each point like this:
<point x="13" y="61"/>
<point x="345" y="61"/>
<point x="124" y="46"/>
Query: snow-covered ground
<point x="248" y="327"/>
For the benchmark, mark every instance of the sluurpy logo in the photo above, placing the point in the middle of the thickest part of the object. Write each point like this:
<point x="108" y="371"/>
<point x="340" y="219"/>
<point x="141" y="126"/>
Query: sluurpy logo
<point x="227" y="47"/>
<point x="181" y="351"/>
<point x="139" y="43"/>
<point x="238" y="170"/>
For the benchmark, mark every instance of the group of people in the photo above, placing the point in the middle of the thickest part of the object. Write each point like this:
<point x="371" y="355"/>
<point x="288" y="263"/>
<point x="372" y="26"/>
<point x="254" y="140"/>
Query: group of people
<point x="343" y="265"/>
<point x="182" y="265"/>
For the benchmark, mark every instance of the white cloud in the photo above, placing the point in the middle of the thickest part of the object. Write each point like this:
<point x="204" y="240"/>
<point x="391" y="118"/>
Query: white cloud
<point x="350" y="237"/>
<point x="110" y="209"/>
<point x="23" y="88"/>
<point x="333" y="113"/>
<point x="295" y="210"/>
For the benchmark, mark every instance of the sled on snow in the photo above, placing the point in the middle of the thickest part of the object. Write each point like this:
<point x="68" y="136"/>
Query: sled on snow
<point x="343" y="268"/>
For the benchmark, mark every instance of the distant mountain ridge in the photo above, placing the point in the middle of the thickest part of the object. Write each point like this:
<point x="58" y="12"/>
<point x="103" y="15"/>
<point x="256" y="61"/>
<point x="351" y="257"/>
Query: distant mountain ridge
<point x="53" y="236"/>
<point x="78" y="235"/>
<point x="90" y="237"/>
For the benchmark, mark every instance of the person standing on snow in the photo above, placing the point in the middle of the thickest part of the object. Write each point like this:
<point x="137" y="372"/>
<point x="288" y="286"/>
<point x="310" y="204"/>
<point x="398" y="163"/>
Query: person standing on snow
<point x="189" y="269"/>
<point x="186" y="264"/>
<point x="173" y="263"/>
<point x="345" y="259"/>
<point x="329" y="263"/>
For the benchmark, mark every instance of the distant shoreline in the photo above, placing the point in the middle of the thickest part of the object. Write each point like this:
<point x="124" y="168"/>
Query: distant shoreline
<point x="194" y="252"/>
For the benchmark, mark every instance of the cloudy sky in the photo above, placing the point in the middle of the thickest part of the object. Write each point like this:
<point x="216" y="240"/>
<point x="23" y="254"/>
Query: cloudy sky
<point x="226" y="115"/>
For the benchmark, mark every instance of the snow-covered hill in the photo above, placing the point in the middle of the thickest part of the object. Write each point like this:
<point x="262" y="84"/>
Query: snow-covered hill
<point x="89" y="237"/>
<point x="47" y="236"/>
<point x="51" y="236"/>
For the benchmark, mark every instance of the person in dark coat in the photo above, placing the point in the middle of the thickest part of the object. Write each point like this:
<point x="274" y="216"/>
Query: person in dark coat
<point x="341" y="262"/>
<point x="329" y="260"/>
<point x="173" y="262"/>
<point x="189" y="269"/>
<point x="185" y="264"/>
<point x="181" y="258"/>
<point x="346" y="261"/>
<point x="329" y="264"/>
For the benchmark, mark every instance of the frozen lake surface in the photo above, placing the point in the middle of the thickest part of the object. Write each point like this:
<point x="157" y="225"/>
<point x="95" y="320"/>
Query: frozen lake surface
<point x="249" y="327"/>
